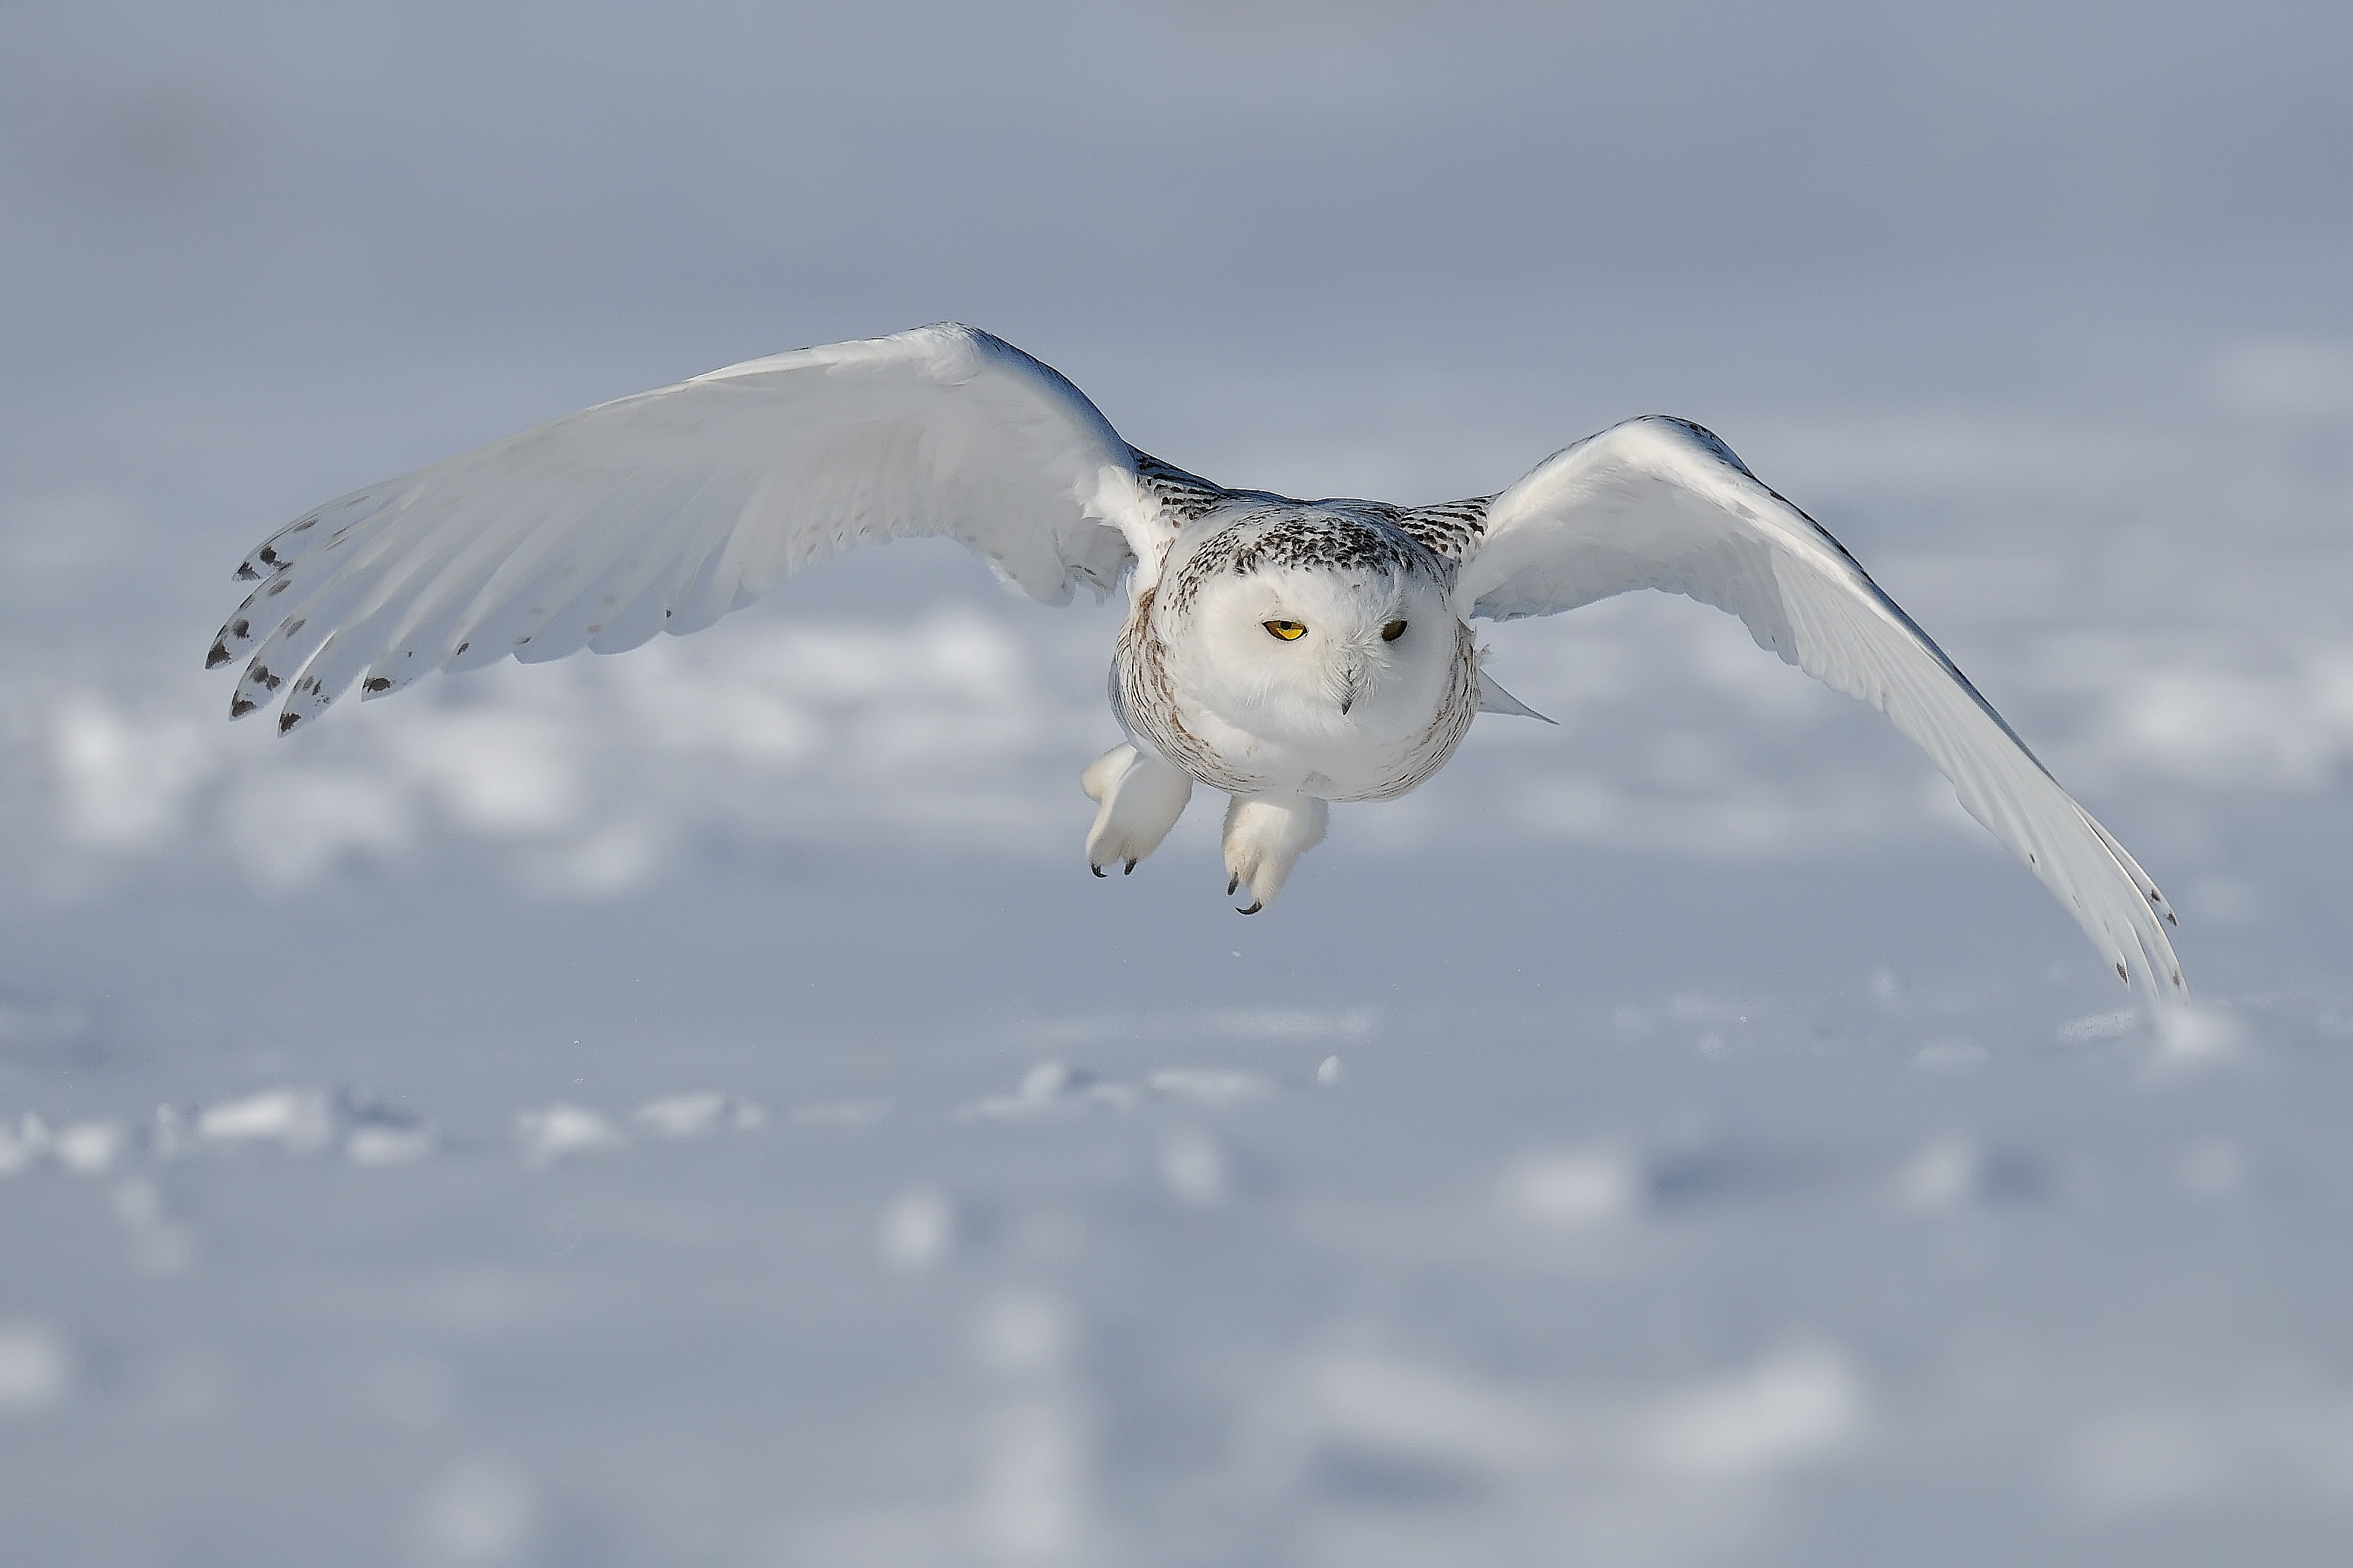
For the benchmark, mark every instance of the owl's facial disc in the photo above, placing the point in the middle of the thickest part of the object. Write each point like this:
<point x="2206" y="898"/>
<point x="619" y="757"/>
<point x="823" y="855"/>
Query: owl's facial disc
<point x="1303" y="653"/>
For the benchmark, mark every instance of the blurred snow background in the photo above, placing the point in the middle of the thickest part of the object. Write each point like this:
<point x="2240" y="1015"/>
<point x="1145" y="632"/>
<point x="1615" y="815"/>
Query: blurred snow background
<point x="694" y="1107"/>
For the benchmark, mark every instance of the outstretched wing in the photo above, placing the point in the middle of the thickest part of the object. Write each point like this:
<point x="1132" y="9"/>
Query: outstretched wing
<point x="665" y="510"/>
<point x="1662" y="503"/>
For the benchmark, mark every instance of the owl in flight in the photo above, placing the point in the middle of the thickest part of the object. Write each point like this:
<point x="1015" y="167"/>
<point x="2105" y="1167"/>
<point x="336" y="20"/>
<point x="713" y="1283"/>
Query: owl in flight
<point x="1288" y="653"/>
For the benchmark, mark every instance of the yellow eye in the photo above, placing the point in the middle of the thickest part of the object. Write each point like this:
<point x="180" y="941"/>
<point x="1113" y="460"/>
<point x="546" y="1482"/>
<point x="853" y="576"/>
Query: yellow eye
<point x="1393" y="631"/>
<point x="1289" y="631"/>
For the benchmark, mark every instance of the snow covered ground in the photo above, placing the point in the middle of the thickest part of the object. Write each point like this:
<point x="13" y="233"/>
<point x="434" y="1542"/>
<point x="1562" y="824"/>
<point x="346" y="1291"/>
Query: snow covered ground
<point x="695" y="1107"/>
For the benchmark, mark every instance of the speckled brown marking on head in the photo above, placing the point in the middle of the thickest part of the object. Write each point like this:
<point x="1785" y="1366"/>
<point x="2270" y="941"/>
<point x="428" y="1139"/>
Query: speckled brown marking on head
<point x="1356" y="535"/>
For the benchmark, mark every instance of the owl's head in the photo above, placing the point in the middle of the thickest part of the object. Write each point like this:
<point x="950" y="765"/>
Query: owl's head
<point x="1310" y="625"/>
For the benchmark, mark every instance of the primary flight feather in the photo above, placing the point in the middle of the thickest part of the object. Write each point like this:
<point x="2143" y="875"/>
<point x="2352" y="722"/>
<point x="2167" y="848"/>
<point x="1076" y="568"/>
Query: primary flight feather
<point x="1288" y="653"/>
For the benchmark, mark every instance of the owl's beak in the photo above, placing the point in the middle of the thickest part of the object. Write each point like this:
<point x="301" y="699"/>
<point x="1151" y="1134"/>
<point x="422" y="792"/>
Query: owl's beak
<point x="1352" y="685"/>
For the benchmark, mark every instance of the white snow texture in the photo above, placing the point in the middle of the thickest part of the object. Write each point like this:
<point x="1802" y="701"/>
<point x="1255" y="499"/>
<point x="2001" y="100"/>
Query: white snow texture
<point x="695" y="1107"/>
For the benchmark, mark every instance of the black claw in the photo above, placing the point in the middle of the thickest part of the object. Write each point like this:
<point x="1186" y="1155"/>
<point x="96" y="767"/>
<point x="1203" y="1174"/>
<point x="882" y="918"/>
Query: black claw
<point x="1231" y="883"/>
<point x="1128" y="870"/>
<point x="1251" y="911"/>
<point x="1096" y="869"/>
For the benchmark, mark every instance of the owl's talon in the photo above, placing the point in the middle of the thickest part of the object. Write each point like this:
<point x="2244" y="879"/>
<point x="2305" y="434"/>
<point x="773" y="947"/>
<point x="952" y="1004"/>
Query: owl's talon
<point x="1265" y="836"/>
<point x="1096" y="869"/>
<point x="1128" y="870"/>
<point x="1139" y="799"/>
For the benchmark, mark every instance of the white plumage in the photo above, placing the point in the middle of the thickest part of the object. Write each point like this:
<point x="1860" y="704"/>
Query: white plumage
<point x="1288" y="653"/>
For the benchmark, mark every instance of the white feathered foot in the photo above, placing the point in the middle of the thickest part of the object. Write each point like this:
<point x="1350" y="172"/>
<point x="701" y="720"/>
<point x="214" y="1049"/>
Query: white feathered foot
<point x="1265" y="836"/>
<point x="1141" y="798"/>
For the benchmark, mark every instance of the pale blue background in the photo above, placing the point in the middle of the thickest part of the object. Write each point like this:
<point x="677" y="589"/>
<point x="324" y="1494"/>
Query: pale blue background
<point x="1732" y="1157"/>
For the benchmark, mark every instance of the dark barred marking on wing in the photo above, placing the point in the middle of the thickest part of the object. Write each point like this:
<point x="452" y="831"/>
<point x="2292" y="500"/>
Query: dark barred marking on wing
<point x="1448" y="528"/>
<point x="1182" y="496"/>
<point x="1706" y="438"/>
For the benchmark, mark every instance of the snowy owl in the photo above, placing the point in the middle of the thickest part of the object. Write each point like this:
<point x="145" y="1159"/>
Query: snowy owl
<point x="1288" y="653"/>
